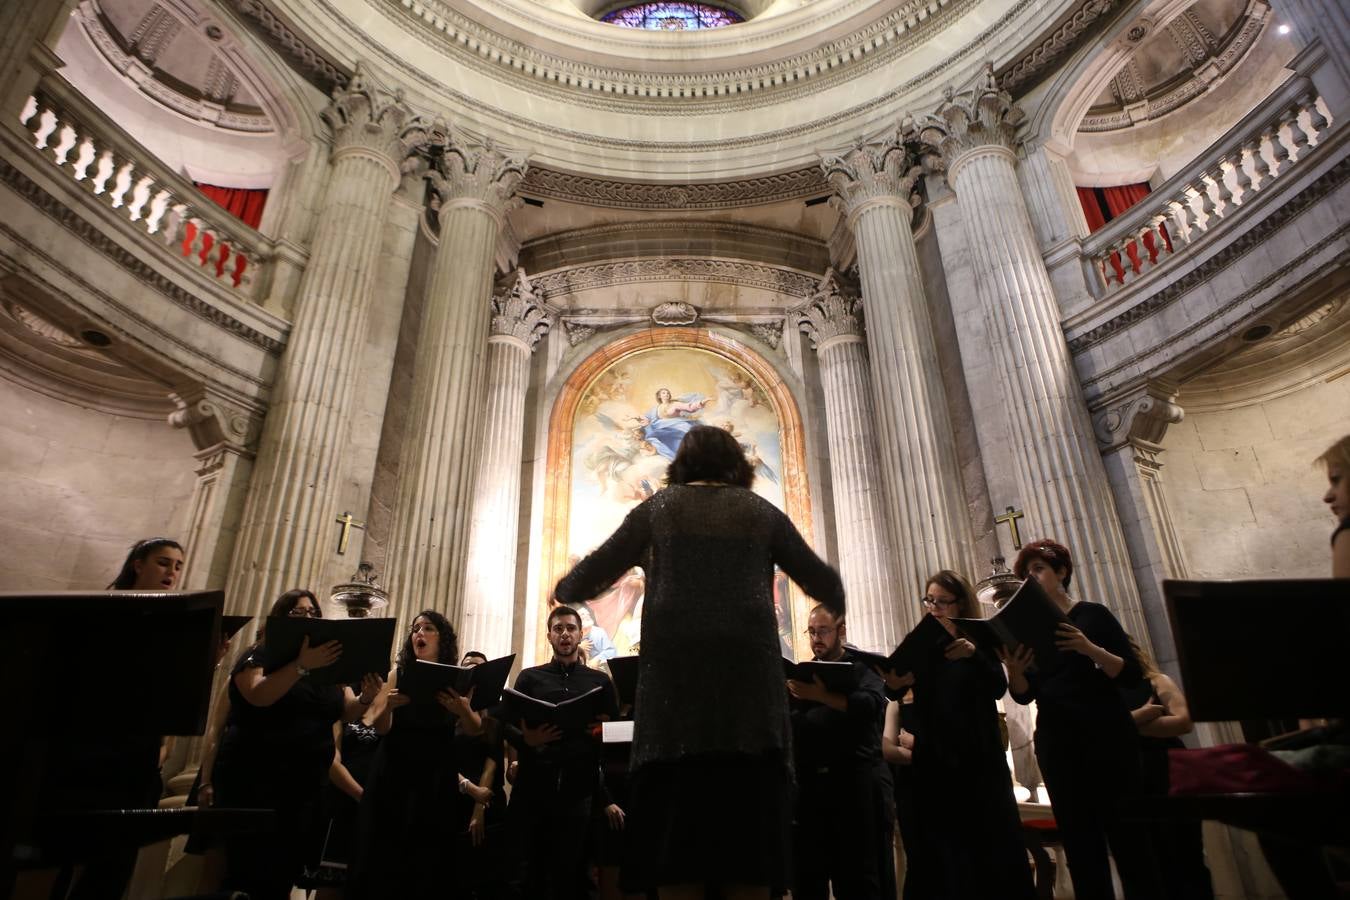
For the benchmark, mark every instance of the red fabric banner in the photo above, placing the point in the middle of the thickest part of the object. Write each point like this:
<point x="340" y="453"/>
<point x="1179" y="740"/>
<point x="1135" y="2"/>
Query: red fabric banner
<point x="244" y="204"/>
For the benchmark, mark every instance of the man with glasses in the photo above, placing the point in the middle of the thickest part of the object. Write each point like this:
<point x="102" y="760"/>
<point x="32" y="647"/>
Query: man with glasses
<point x="843" y="784"/>
<point x="558" y="774"/>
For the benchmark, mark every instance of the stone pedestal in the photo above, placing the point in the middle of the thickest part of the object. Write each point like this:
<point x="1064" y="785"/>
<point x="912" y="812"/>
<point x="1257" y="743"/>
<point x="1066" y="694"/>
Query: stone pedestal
<point x="288" y="531"/>
<point x="1059" y="471"/>
<point x="430" y="539"/>
<point x="929" y="520"/>
<point x="518" y="322"/>
<point x="833" y="321"/>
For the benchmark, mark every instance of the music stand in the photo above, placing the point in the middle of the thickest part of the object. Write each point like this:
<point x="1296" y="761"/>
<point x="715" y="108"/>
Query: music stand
<point x="1270" y="649"/>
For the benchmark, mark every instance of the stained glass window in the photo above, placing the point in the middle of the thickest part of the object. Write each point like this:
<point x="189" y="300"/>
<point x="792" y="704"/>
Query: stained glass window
<point x="669" y="15"/>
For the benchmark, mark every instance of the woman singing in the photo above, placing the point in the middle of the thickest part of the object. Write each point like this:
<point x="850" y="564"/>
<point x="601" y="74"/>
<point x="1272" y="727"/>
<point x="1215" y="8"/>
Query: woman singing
<point x="276" y="752"/>
<point x="712" y="783"/>
<point x="1086" y="741"/>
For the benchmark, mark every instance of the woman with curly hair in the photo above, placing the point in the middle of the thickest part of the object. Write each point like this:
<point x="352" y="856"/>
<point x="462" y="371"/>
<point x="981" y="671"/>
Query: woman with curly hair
<point x="407" y="809"/>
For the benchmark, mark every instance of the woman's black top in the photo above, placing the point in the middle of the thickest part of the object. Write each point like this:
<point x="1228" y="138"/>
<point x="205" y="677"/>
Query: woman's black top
<point x="709" y="554"/>
<point x="1078" y="697"/>
<point x="1343" y="526"/>
<point x="954" y="705"/>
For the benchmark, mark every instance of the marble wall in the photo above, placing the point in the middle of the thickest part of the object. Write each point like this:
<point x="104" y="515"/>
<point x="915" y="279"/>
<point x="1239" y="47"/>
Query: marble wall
<point x="1243" y="489"/>
<point x="81" y="486"/>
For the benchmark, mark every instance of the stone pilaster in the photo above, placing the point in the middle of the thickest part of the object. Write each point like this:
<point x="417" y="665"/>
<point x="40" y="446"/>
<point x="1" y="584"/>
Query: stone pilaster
<point x="225" y="434"/>
<point x="1129" y="434"/>
<point x="430" y="538"/>
<point x="288" y="533"/>
<point x="834" y="323"/>
<point x="1322" y="29"/>
<point x="1060" y="476"/>
<point x="519" y="320"/>
<point x="930" y="524"/>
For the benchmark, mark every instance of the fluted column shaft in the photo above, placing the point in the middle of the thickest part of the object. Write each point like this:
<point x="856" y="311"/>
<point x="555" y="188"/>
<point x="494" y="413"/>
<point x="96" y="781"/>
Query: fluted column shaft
<point x="920" y="474"/>
<point x="287" y="530"/>
<point x="430" y="539"/>
<point x="1060" y="473"/>
<point x="866" y="560"/>
<point x="518" y="322"/>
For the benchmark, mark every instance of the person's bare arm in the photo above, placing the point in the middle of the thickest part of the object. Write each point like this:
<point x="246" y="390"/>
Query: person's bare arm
<point x="338" y="773"/>
<point x="261" y="689"/>
<point x="1340" y="555"/>
<point x="220" y="711"/>
<point x="1176" y="719"/>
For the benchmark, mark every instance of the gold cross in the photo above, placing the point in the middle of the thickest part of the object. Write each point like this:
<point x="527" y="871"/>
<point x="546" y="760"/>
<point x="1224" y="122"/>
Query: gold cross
<point x="1011" y="517"/>
<point x="348" y="523"/>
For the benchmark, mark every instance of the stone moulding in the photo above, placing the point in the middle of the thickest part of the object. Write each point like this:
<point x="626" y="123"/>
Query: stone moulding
<point x="1072" y="31"/>
<point x="550" y="285"/>
<point x="1239" y="247"/>
<point x="549" y="184"/>
<point x="95" y="239"/>
<point x="315" y="66"/>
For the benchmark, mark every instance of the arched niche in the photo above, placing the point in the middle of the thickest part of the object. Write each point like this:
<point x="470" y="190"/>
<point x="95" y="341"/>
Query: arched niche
<point x="590" y="389"/>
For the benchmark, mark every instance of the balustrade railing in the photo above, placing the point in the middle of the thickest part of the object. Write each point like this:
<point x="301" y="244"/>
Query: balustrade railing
<point x="1262" y="148"/>
<point x="113" y="167"/>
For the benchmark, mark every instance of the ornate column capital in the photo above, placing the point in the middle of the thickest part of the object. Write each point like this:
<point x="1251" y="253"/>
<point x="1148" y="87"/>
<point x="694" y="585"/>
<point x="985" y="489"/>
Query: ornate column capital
<point x="982" y="117"/>
<point x="476" y="175"/>
<point x="517" y="314"/>
<point x="215" y="421"/>
<point x="369" y="120"/>
<point x="1139" y="418"/>
<point x="878" y="171"/>
<point x="831" y="316"/>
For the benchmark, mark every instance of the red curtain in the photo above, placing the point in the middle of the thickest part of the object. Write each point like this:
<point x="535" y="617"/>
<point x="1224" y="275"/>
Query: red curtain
<point x="1092" y="209"/>
<point x="1119" y="199"/>
<point x="1101" y="205"/>
<point x="244" y="204"/>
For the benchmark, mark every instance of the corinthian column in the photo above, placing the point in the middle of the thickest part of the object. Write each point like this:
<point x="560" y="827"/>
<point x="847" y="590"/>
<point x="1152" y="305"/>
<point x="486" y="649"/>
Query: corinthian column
<point x="916" y="450"/>
<point x="287" y="530"/>
<point x="833" y="321"/>
<point x="1060" y="474"/>
<point x="430" y="538"/>
<point x="518" y="322"/>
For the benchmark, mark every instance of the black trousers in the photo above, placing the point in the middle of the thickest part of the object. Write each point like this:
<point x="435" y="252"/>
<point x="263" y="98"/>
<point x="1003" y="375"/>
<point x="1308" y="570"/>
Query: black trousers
<point x="1087" y="777"/>
<point x="837" y="834"/>
<point x="549" y="834"/>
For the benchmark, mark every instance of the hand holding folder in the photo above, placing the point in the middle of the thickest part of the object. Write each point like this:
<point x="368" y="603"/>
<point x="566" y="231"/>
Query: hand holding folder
<point x="481" y="684"/>
<point x="365" y="646"/>
<point x="1030" y="619"/>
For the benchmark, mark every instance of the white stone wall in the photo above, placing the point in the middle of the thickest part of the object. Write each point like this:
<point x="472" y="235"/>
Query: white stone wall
<point x="80" y="487"/>
<point x="1243" y="489"/>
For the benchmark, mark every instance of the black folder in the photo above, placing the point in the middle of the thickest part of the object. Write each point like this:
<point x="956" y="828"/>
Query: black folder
<point x="1029" y="618"/>
<point x="231" y="625"/>
<point x="916" y="653"/>
<point x="624" y="671"/>
<point x="573" y="714"/>
<point x="423" y="680"/>
<point x="838" y="677"/>
<point x="366" y="644"/>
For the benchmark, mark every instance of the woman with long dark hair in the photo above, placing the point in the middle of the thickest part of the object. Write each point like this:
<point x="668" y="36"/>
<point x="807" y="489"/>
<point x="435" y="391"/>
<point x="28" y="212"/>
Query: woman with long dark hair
<point x="407" y="815"/>
<point x="1086" y="742"/>
<point x="276" y="751"/>
<point x="968" y="829"/>
<point x="709" y="546"/>
<point x="153" y="564"/>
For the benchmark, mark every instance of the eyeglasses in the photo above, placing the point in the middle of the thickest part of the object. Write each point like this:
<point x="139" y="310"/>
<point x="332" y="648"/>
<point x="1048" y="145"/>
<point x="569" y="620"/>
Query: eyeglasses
<point x="942" y="602"/>
<point x="820" y="632"/>
<point x="303" y="612"/>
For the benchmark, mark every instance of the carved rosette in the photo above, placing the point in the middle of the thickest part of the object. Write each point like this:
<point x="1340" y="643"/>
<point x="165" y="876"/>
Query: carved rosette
<point x="368" y="119"/>
<point x="882" y="170"/>
<point x="479" y="175"/>
<point x="984" y="116"/>
<point x="214" y="421"/>
<point x="831" y="314"/>
<point x="518" y="314"/>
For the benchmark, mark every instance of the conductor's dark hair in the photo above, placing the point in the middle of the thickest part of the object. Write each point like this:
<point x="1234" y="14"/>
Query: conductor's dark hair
<point x="710" y="454"/>
<point x="558" y="612"/>
<point x="447" y="653"/>
<point x="290" y="600"/>
<point x="967" y="607"/>
<point x="1054" y="555"/>
<point x="126" y="578"/>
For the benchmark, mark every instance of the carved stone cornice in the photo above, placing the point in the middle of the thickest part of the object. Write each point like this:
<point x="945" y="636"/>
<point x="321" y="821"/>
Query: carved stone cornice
<point x="549" y="184"/>
<point x="831" y="314"/>
<point x="880" y="170"/>
<point x="982" y="116"/>
<point x="215" y="421"/>
<point x="292" y="44"/>
<point x="518" y="314"/>
<point x="1141" y="415"/>
<point x="722" y="271"/>
<point x="477" y="174"/>
<point x="366" y="118"/>
<point x="1065" y="37"/>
